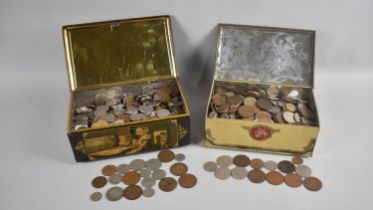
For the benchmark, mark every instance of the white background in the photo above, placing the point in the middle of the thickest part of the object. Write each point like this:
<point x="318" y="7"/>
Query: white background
<point x="37" y="169"/>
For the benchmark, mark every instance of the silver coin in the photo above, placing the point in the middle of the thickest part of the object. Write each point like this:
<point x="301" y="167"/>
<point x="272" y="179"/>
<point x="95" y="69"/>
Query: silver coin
<point x="123" y="168"/>
<point x="115" y="179"/>
<point x="137" y="117"/>
<point x="163" y="113"/>
<point x="83" y="109"/>
<point x="96" y="196"/>
<point x="270" y="165"/>
<point x="297" y="117"/>
<point x="158" y="174"/>
<point x="118" y="121"/>
<point x="112" y="93"/>
<point x="100" y="99"/>
<point x="213" y="114"/>
<point x="303" y="170"/>
<point x="222" y="173"/>
<point x="148" y="192"/>
<point x="114" y="193"/>
<point x="239" y="173"/>
<point x="144" y="172"/>
<point x="108" y="117"/>
<point x="148" y="182"/>
<point x="77" y="127"/>
<point x="112" y="102"/>
<point x="275" y="109"/>
<point x="153" y="164"/>
<point x="210" y="166"/>
<point x="224" y="160"/>
<point x="289" y="117"/>
<point x="147" y="89"/>
<point x="100" y="110"/>
<point x="179" y="157"/>
<point x="132" y="110"/>
<point x="137" y="164"/>
<point x="147" y="110"/>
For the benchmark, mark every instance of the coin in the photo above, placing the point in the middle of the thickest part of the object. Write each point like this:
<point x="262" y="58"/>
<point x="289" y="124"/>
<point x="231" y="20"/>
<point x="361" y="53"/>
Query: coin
<point x="109" y="170"/>
<point x="297" y="159"/>
<point x="303" y="170"/>
<point x="305" y="111"/>
<point x="178" y="169"/>
<point x="148" y="182"/>
<point x="246" y="111"/>
<point x="264" y="103"/>
<point x="145" y="172"/>
<point x="256" y="176"/>
<point x="263" y="115"/>
<point x="286" y="166"/>
<point x="289" y="117"/>
<point x="224" y="160"/>
<point x="167" y="184"/>
<point x="153" y="163"/>
<point x="273" y="91"/>
<point x="235" y="99"/>
<point x="99" y="124"/>
<point x="132" y="192"/>
<point x="158" y="174"/>
<point x="123" y="168"/>
<point x="179" y="157"/>
<point x="222" y="173"/>
<point x="210" y="166"/>
<point x="274" y="178"/>
<point x="270" y="165"/>
<point x="312" y="183"/>
<point x="148" y="192"/>
<point x="187" y="180"/>
<point x="293" y="180"/>
<point x="114" y="194"/>
<point x="219" y="99"/>
<point x="239" y="173"/>
<point x="163" y="113"/>
<point x="256" y="163"/>
<point x="166" y="155"/>
<point x="96" y="196"/>
<point x="222" y="108"/>
<point x="115" y="179"/>
<point x="241" y="160"/>
<point x="249" y="101"/>
<point x="131" y="178"/>
<point x="290" y="107"/>
<point x="99" y="181"/>
<point x="137" y="164"/>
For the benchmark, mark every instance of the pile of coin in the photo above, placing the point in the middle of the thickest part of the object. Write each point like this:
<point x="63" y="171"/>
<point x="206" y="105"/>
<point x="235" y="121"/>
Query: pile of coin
<point x="145" y="173"/>
<point x="118" y="105"/>
<point x="293" y="173"/>
<point x="263" y="103"/>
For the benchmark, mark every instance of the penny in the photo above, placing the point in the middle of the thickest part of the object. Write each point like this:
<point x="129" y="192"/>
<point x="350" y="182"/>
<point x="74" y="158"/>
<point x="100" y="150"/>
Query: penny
<point x="249" y="101"/>
<point x="222" y="173"/>
<point x="137" y="164"/>
<point x="219" y="99"/>
<point x="158" y="174"/>
<point x="179" y="157"/>
<point x="148" y="192"/>
<point x="256" y="176"/>
<point x="166" y="155"/>
<point x="115" y="179"/>
<point x="263" y="115"/>
<point x="293" y="180"/>
<point x="167" y="184"/>
<point x="241" y="160"/>
<point x="153" y="164"/>
<point x="210" y="166"/>
<point x="312" y="183"/>
<point x="148" y="182"/>
<point x="274" y="178"/>
<point x="256" y="163"/>
<point x="222" y="108"/>
<point x="239" y="173"/>
<point x="264" y="103"/>
<point x="297" y="159"/>
<point x="303" y="170"/>
<point x="246" y="111"/>
<point x="187" y="180"/>
<point x="131" y="178"/>
<point x="99" y="181"/>
<point x="286" y="166"/>
<point x="270" y="165"/>
<point x="109" y="170"/>
<point x="224" y="160"/>
<point x="96" y="196"/>
<point x="114" y="194"/>
<point x="178" y="169"/>
<point x="132" y="192"/>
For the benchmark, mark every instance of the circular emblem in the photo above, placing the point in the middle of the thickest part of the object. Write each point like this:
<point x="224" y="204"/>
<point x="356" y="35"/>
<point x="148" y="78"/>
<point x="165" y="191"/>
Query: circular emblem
<point x="260" y="132"/>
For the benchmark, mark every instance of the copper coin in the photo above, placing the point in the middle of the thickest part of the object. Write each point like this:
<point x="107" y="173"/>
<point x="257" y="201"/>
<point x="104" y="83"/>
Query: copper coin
<point x="166" y="155"/>
<point x="178" y="169"/>
<point x="167" y="184"/>
<point x="263" y="115"/>
<point x="274" y="177"/>
<point x="256" y="163"/>
<point x="286" y="166"/>
<point x="305" y="111"/>
<point x="236" y="99"/>
<point x="312" y="183"/>
<point x="246" y="111"/>
<point x="109" y="170"/>
<point x="132" y="192"/>
<point x="219" y="99"/>
<point x="297" y="159"/>
<point x="131" y="178"/>
<point x="187" y="180"/>
<point x="264" y="103"/>
<point x="241" y="160"/>
<point x="293" y="180"/>
<point x="99" y="181"/>
<point x="256" y="176"/>
<point x="222" y="108"/>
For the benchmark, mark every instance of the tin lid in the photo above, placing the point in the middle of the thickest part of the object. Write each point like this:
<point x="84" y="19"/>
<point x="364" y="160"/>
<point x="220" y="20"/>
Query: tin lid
<point x="109" y="52"/>
<point x="263" y="54"/>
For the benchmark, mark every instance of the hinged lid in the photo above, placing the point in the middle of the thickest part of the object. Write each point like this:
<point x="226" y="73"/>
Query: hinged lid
<point x="117" y="51"/>
<point x="263" y="54"/>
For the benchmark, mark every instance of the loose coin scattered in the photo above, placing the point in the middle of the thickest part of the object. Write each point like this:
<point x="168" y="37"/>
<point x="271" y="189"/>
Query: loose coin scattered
<point x="109" y="170"/>
<point x="224" y="161"/>
<point x="241" y="160"/>
<point x="123" y="168"/>
<point x="256" y="176"/>
<point x="131" y="178"/>
<point x="187" y="180"/>
<point x="274" y="178"/>
<point x="96" y="196"/>
<point x="153" y="164"/>
<point x="293" y="180"/>
<point x="286" y="166"/>
<point x="114" y="194"/>
<point x="132" y="192"/>
<point x="179" y="157"/>
<point x="178" y="169"/>
<point x="239" y="173"/>
<point x="158" y="174"/>
<point x="115" y="179"/>
<point x="148" y="192"/>
<point x="256" y="163"/>
<point x="222" y="173"/>
<point x="148" y="182"/>
<point x="270" y="165"/>
<point x="167" y="184"/>
<point x="312" y="183"/>
<point x="303" y="170"/>
<point x="145" y="172"/>
<point x="137" y="164"/>
<point x="210" y="166"/>
<point x="166" y="155"/>
<point x="297" y="159"/>
<point x="99" y="181"/>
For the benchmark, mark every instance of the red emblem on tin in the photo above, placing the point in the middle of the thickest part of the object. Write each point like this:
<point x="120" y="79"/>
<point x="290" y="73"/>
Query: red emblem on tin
<point x="260" y="132"/>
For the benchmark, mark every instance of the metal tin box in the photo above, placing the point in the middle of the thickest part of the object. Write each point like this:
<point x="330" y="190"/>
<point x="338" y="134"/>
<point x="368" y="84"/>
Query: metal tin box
<point x="125" y="95"/>
<point x="262" y="94"/>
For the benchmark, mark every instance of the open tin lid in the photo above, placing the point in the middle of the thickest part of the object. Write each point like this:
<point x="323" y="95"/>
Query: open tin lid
<point x="117" y="51"/>
<point x="267" y="55"/>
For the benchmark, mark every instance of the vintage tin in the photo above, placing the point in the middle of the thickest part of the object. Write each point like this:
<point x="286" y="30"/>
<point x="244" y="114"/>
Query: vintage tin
<point x="122" y="59"/>
<point x="249" y="61"/>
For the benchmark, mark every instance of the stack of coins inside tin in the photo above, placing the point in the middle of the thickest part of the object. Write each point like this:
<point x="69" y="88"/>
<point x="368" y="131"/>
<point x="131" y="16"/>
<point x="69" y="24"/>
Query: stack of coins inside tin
<point x="293" y="173"/>
<point x="139" y="177"/>
<point x="263" y="103"/>
<point x="122" y="104"/>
